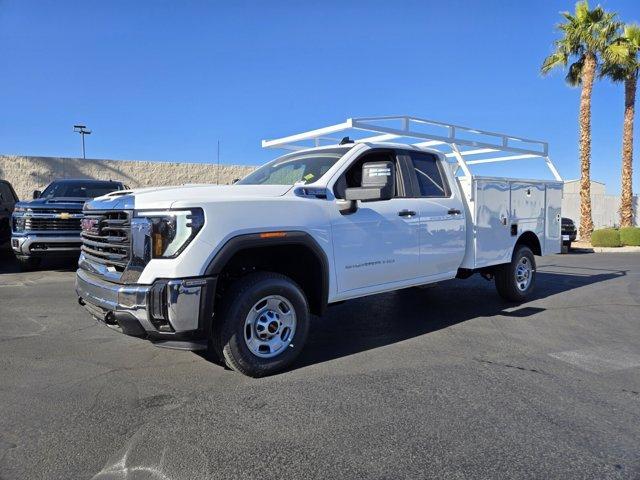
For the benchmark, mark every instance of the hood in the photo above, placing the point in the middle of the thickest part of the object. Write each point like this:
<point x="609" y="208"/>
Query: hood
<point x="60" y="203"/>
<point x="184" y="196"/>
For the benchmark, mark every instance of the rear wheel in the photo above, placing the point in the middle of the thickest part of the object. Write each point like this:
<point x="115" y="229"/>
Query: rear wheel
<point x="515" y="281"/>
<point x="263" y="325"/>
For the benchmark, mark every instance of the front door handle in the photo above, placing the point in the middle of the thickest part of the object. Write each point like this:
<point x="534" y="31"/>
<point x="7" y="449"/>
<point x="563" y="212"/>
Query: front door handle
<point x="454" y="211"/>
<point x="406" y="213"/>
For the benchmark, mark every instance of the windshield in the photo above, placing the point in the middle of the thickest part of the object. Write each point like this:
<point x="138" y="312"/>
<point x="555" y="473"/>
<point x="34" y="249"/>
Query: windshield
<point x="79" y="189"/>
<point x="306" y="167"/>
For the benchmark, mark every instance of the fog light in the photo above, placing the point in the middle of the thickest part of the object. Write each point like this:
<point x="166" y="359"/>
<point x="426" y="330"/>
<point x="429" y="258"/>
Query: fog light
<point x="158" y="315"/>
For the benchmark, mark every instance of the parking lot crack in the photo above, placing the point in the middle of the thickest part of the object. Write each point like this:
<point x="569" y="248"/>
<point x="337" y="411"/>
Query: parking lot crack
<point x="632" y="392"/>
<point x="507" y="365"/>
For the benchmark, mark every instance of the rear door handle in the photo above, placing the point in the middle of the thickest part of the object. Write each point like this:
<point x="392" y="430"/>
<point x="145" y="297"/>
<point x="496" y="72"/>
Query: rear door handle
<point x="406" y="213"/>
<point x="454" y="211"/>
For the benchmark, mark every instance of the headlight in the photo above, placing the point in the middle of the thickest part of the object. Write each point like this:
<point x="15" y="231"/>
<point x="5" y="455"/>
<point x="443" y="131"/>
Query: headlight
<point x="172" y="230"/>
<point x="19" y="209"/>
<point x="18" y="224"/>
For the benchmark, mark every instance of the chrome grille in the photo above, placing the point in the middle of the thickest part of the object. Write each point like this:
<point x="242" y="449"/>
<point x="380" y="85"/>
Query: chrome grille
<point x="50" y="223"/>
<point x="106" y="238"/>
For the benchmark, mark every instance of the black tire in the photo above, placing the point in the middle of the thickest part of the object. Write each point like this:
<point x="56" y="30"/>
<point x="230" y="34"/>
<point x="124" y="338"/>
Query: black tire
<point x="28" y="263"/>
<point x="228" y="333"/>
<point x="506" y="283"/>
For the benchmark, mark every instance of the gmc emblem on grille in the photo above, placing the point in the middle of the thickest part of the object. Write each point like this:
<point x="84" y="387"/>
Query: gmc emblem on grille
<point x="90" y="225"/>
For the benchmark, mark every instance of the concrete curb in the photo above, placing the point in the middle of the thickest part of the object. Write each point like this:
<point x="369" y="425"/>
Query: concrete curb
<point x="586" y="248"/>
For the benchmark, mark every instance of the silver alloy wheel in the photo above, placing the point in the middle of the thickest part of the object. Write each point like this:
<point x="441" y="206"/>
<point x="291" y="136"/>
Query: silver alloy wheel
<point x="524" y="274"/>
<point x="270" y="326"/>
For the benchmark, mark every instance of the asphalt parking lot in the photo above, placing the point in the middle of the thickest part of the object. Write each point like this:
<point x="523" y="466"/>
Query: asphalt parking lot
<point x="441" y="382"/>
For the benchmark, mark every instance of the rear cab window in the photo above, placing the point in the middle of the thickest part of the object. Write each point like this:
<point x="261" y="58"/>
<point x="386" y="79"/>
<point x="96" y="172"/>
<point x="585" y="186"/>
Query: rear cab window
<point x="431" y="181"/>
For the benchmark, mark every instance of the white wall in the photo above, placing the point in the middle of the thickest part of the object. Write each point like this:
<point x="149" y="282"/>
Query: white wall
<point x="573" y="186"/>
<point x="604" y="209"/>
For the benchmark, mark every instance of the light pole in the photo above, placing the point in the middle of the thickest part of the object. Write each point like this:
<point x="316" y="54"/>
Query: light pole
<point x="82" y="130"/>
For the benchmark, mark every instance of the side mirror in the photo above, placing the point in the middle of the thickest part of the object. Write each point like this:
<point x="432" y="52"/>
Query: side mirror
<point x="346" y="207"/>
<point x="378" y="183"/>
<point x="36" y="194"/>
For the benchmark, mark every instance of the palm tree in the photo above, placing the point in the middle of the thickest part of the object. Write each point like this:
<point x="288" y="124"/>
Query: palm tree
<point x="621" y="65"/>
<point x="585" y="36"/>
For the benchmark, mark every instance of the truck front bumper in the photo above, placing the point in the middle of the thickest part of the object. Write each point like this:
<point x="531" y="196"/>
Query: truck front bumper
<point x="40" y="245"/>
<point x="172" y="313"/>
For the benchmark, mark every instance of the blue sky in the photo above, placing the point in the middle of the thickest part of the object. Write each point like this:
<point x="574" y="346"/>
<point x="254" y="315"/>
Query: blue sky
<point x="164" y="80"/>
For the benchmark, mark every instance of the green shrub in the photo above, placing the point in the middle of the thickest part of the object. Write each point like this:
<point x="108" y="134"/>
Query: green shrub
<point x="630" y="236"/>
<point x="607" y="237"/>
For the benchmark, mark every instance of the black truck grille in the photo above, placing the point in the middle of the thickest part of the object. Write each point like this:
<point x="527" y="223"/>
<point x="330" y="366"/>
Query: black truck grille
<point x="44" y="224"/>
<point x="106" y="238"/>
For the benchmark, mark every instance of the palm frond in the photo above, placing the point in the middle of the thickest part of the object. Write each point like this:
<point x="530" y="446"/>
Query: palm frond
<point x="632" y="34"/>
<point x="620" y="57"/>
<point x="555" y="60"/>
<point x="613" y="72"/>
<point x="585" y="32"/>
<point x="574" y="73"/>
<point x="582" y="10"/>
<point x="617" y="53"/>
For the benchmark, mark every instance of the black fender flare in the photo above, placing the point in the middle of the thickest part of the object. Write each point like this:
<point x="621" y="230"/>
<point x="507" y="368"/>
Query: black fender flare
<point x="269" y="239"/>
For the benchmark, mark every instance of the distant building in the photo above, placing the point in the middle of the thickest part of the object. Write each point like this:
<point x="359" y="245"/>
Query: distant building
<point x="573" y="186"/>
<point x="604" y="208"/>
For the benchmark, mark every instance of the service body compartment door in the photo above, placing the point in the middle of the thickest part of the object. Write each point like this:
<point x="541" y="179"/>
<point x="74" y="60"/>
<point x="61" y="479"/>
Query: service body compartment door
<point x="493" y="238"/>
<point x="527" y="208"/>
<point x="553" y="235"/>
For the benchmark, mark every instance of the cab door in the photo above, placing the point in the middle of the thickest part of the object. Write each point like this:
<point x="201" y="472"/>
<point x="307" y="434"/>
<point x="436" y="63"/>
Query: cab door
<point x="442" y="228"/>
<point x="378" y="243"/>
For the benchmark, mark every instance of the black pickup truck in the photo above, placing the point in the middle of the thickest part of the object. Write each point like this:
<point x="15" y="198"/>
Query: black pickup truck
<point x="569" y="232"/>
<point x="8" y="199"/>
<point x="49" y="225"/>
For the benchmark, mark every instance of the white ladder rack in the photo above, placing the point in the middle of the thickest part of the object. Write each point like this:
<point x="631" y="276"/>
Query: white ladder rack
<point x="462" y="141"/>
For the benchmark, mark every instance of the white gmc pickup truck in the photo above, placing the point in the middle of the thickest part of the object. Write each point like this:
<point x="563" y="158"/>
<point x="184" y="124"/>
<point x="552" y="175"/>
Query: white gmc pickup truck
<point x="240" y="268"/>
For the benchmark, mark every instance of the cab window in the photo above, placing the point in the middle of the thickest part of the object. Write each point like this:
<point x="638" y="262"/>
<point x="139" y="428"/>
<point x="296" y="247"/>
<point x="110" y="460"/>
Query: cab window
<point x="352" y="177"/>
<point x="431" y="179"/>
<point x="305" y="168"/>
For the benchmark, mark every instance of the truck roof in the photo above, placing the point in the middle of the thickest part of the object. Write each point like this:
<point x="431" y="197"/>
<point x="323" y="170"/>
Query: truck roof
<point x="85" y="180"/>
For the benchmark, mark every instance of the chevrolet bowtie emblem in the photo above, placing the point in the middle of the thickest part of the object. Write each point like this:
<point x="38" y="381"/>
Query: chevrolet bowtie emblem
<point x="65" y="215"/>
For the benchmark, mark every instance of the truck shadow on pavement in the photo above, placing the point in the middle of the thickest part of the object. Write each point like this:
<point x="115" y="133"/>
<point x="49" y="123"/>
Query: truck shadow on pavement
<point x="9" y="264"/>
<point x="371" y="322"/>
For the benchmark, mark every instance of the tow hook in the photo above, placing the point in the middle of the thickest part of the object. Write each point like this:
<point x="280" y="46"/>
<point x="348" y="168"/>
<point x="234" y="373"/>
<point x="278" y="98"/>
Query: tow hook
<point x="110" y="319"/>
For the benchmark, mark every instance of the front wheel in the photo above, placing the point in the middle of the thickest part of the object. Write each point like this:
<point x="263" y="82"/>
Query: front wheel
<point x="515" y="280"/>
<point x="29" y="263"/>
<point x="263" y="325"/>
